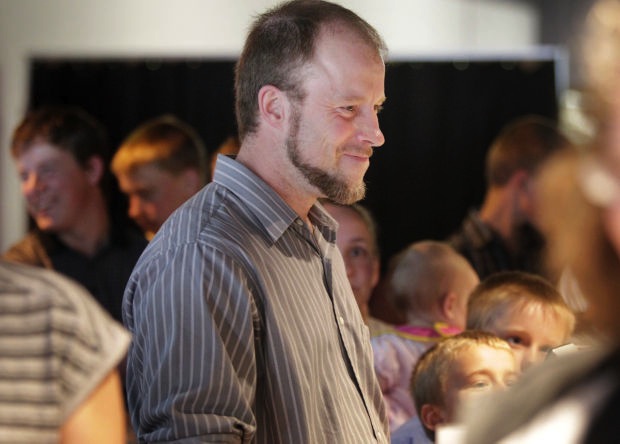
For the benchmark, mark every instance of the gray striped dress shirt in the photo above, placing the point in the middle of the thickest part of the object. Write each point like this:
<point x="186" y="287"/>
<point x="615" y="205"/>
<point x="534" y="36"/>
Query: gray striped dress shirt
<point x="245" y="326"/>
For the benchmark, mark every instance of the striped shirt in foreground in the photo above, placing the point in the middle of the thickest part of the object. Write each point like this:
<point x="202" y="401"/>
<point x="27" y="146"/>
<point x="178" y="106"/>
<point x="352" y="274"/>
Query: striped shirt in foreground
<point x="245" y="326"/>
<point x="56" y="346"/>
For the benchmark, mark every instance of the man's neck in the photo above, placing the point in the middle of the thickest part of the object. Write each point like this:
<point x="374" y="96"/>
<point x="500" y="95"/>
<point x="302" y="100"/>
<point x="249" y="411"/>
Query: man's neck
<point x="272" y="167"/>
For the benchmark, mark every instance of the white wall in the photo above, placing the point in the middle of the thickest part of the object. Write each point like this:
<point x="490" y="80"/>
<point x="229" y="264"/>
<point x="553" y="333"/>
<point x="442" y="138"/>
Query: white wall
<point x="133" y="28"/>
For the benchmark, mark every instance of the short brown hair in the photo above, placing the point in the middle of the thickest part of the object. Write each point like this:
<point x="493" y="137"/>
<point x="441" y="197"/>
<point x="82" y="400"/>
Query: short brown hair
<point x="165" y="141"/>
<point x="279" y="43"/>
<point x="522" y="145"/>
<point x="68" y="128"/>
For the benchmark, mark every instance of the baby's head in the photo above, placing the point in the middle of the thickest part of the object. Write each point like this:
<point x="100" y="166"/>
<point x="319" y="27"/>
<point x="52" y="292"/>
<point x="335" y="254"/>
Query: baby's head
<point x="525" y="310"/>
<point x="458" y="367"/>
<point x="431" y="282"/>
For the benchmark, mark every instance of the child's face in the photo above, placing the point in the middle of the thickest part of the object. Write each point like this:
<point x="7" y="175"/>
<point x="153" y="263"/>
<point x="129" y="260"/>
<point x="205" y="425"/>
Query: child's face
<point x="532" y="331"/>
<point x="477" y="369"/>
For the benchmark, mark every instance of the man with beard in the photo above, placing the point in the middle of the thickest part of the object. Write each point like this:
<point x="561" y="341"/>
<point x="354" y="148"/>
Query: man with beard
<point x="245" y="326"/>
<point x="502" y="235"/>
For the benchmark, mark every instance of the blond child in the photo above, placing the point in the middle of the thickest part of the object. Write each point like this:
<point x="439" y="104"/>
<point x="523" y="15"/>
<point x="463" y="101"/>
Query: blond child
<point x="454" y="370"/>
<point x="430" y="282"/>
<point x="525" y="310"/>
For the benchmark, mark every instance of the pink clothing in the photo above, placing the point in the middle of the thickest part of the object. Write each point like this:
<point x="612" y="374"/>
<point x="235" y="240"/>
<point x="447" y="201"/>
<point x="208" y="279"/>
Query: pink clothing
<point x="395" y="356"/>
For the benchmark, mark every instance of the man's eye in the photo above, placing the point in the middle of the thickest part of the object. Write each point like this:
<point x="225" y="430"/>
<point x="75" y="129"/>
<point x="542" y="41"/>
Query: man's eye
<point x="378" y="109"/>
<point x="147" y="195"/>
<point x="46" y="172"/>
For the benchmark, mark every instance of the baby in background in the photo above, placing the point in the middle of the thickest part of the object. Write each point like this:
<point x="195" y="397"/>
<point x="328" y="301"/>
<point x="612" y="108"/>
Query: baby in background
<point x="524" y="309"/>
<point x="430" y="282"/>
<point x="454" y="370"/>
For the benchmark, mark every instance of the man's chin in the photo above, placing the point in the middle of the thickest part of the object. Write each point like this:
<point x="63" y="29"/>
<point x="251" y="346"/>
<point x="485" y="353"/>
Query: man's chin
<point x="348" y="195"/>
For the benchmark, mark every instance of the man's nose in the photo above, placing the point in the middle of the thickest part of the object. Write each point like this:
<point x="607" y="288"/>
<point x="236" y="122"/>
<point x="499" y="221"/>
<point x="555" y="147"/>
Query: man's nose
<point x="370" y="132"/>
<point x="31" y="184"/>
<point x="135" y="207"/>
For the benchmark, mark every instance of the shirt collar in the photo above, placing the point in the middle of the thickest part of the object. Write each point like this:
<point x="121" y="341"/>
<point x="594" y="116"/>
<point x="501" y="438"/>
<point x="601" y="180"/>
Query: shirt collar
<point x="272" y="212"/>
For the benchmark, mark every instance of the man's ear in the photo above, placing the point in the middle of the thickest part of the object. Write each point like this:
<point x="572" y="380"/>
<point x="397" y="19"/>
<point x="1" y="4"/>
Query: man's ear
<point x="95" y="167"/>
<point x="273" y="105"/>
<point x="431" y="416"/>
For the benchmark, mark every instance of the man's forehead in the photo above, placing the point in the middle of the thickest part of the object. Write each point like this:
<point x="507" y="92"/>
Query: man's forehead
<point x="41" y="149"/>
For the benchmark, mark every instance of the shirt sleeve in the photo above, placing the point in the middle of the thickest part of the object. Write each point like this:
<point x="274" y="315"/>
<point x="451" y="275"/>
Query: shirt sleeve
<point x="192" y="366"/>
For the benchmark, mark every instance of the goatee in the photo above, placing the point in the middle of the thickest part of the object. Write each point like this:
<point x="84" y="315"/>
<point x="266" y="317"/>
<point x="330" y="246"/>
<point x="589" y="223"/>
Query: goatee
<point x="332" y="187"/>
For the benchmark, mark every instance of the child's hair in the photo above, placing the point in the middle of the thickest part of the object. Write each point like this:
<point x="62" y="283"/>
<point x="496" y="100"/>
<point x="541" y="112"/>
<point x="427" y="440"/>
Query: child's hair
<point x="507" y="290"/>
<point x="421" y="274"/>
<point x="430" y="374"/>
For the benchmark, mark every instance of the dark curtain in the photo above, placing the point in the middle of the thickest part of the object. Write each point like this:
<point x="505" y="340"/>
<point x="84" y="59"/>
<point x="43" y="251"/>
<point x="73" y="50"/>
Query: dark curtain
<point x="439" y="120"/>
<point x="124" y="93"/>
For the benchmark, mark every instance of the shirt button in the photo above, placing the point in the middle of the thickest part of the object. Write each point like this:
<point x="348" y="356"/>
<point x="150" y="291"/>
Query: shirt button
<point x="341" y="320"/>
<point x="299" y="222"/>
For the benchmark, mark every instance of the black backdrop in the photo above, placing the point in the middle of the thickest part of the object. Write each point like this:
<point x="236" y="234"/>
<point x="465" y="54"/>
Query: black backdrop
<point x="439" y="120"/>
<point x="124" y="93"/>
